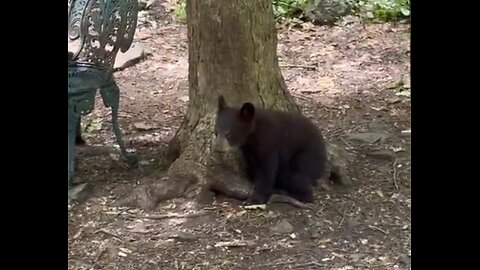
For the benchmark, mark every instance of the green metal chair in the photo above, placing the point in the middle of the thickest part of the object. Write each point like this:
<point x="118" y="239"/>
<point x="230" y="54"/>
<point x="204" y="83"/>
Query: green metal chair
<point x="97" y="30"/>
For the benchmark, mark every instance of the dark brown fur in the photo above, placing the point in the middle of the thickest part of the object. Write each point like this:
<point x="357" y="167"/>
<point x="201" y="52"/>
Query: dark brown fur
<point x="282" y="151"/>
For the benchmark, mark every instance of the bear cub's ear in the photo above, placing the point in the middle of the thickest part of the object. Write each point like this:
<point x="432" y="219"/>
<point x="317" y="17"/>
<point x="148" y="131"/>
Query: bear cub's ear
<point x="247" y="112"/>
<point x="221" y="103"/>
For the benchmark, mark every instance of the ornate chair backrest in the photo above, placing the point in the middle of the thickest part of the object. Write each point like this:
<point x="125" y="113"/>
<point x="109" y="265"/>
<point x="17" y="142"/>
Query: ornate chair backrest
<point x="97" y="29"/>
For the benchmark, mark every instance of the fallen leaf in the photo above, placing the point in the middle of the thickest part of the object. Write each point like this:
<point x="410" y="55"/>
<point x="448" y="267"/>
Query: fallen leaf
<point x="404" y="93"/>
<point x="255" y="207"/>
<point x="121" y="254"/>
<point x="383" y="258"/>
<point x="78" y="233"/>
<point x="346" y="267"/>
<point x="144" y="162"/>
<point x="241" y="213"/>
<point x="377" y="108"/>
<point x="325" y="82"/>
<point x="323" y="241"/>
<point x="397" y="149"/>
<point x="125" y="250"/>
<point x="170" y="206"/>
<point x="94" y="125"/>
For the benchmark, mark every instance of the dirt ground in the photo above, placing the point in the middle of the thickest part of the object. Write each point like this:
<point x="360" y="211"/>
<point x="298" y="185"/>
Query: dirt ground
<point x="353" y="82"/>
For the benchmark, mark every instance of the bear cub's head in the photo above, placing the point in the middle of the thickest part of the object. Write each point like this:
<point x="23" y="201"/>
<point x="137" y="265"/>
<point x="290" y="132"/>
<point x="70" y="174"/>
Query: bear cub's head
<point x="233" y="124"/>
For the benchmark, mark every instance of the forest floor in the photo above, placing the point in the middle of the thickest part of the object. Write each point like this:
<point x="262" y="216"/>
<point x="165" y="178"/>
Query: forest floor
<point x="354" y="82"/>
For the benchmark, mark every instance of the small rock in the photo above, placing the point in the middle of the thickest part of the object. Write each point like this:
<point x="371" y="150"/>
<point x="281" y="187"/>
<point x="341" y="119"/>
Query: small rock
<point x="404" y="260"/>
<point x="130" y="57"/>
<point x="142" y="126"/>
<point x="143" y="16"/>
<point x="327" y="11"/>
<point x="184" y="98"/>
<point x="406" y="133"/>
<point x="125" y="250"/>
<point x="145" y="4"/>
<point x="368" y="137"/>
<point x="139" y="228"/>
<point x="122" y="254"/>
<point x="78" y="193"/>
<point x="356" y="257"/>
<point x="144" y="162"/>
<point x="382" y="155"/>
<point x="183" y="237"/>
<point x="282" y="227"/>
<point x="377" y="126"/>
<point x="393" y="101"/>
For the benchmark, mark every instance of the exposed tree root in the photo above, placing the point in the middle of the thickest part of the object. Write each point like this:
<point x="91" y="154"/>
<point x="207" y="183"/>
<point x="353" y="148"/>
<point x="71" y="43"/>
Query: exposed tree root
<point x="201" y="167"/>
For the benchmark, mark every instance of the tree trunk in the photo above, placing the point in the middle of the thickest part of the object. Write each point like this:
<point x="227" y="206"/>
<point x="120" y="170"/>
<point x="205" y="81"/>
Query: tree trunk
<point x="233" y="52"/>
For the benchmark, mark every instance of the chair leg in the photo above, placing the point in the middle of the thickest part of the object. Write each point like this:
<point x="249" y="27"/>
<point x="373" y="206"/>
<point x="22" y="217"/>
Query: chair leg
<point x="111" y="98"/>
<point x="78" y="134"/>
<point x="72" y="126"/>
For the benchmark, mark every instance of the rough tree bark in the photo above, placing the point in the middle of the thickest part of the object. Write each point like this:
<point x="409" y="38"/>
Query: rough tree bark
<point x="232" y="51"/>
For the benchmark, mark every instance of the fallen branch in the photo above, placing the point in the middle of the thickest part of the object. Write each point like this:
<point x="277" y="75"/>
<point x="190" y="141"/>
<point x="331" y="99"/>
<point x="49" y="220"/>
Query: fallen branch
<point x="289" y="263"/>
<point x="172" y="215"/>
<point x="308" y="264"/>
<point x="300" y="66"/>
<point x="341" y="220"/>
<point x="274" y="264"/>
<point x="235" y="243"/>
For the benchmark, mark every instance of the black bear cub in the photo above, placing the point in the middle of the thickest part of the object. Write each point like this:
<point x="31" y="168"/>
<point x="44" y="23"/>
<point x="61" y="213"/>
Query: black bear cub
<point x="282" y="151"/>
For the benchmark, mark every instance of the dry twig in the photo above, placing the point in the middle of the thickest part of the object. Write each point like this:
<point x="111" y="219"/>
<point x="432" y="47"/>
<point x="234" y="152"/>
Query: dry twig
<point x="395" y="174"/>
<point x="301" y="265"/>
<point x="377" y="229"/>
<point x="109" y="233"/>
<point x="300" y="66"/>
<point x="172" y="215"/>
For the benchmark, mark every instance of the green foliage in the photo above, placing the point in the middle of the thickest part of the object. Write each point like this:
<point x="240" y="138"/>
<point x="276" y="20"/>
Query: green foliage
<point x="286" y="9"/>
<point x="180" y="12"/>
<point x="293" y="10"/>
<point x="283" y="9"/>
<point x="385" y="10"/>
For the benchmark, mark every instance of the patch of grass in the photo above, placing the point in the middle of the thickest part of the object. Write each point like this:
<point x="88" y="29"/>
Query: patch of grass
<point x="384" y="10"/>
<point x="180" y="12"/>
<point x="293" y="10"/>
<point x="287" y="9"/>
